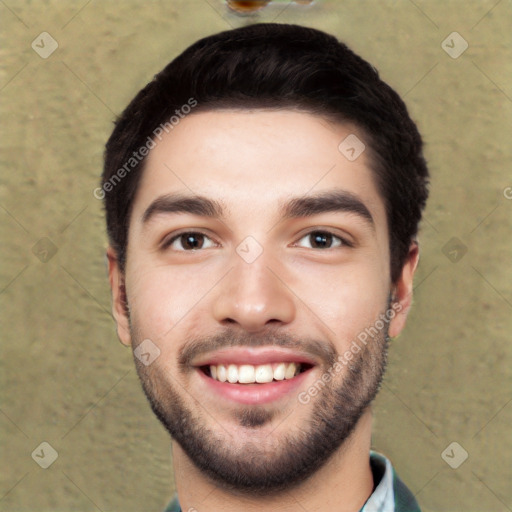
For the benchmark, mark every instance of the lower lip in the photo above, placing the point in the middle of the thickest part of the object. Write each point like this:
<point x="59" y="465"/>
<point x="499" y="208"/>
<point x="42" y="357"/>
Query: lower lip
<point x="253" y="394"/>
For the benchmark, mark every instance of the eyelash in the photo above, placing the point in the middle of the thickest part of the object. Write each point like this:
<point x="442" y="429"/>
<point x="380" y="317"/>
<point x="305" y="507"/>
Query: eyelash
<point x="167" y="243"/>
<point x="344" y="242"/>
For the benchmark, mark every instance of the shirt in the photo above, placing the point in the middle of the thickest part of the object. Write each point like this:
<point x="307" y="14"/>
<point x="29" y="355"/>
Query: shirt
<point x="390" y="493"/>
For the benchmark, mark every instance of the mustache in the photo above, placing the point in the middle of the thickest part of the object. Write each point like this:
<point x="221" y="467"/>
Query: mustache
<point x="229" y="338"/>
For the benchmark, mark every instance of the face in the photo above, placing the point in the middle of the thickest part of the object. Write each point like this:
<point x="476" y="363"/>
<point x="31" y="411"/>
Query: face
<point x="258" y="256"/>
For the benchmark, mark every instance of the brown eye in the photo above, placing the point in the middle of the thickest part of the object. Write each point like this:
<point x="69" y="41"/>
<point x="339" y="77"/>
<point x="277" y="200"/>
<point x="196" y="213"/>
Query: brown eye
<point x="321" y="240"/>
<point x="192" y="241"/>
<point x="189" y="241"/>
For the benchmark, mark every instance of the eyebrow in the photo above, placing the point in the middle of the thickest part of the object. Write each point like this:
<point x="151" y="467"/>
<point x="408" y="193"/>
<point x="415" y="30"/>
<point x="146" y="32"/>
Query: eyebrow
<point x="179" y="203"/>
<point x="306" y="206"/>
<point x="331" y="201"/>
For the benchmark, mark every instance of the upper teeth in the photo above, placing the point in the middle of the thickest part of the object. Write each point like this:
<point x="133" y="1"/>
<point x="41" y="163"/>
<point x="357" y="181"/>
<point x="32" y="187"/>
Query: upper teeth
<point x="247" y="373"/>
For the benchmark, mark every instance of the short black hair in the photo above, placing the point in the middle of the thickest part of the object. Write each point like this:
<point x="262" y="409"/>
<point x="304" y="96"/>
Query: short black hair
<point x="277" y="66"/>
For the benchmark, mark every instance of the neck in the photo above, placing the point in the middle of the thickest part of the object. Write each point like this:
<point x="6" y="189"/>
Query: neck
<point x="343" y="484"/>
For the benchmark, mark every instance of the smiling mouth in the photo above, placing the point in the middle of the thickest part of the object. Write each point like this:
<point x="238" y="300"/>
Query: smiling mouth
<point x="254" y="374"/>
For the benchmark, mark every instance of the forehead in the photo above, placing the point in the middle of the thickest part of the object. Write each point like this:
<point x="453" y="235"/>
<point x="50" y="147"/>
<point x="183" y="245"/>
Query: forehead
<point x="254" y="159"/>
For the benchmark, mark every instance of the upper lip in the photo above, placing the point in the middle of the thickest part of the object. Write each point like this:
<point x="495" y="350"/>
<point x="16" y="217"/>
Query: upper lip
<point x="254" y="356"/>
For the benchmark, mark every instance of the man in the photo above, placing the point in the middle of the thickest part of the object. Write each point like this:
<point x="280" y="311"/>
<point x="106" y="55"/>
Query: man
<point x="262" y="196"/>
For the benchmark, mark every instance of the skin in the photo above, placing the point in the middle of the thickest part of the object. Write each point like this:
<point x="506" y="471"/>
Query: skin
<point x="252" y="162"/>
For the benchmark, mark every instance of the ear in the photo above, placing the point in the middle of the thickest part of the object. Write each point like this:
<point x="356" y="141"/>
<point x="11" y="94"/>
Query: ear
<point x="402" y="291"/>
<point x="119" y="302"/>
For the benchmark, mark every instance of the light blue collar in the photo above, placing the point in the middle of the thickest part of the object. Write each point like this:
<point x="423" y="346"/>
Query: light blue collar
<point x="383" y="497"/>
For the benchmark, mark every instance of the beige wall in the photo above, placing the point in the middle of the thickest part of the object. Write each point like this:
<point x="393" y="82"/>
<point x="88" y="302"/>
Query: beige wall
<point x="65" y="379"/>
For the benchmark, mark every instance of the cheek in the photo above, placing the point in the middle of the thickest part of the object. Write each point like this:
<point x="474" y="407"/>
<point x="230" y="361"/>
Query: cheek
<point x="163" y="300"/>
<point x="345" y="300"/>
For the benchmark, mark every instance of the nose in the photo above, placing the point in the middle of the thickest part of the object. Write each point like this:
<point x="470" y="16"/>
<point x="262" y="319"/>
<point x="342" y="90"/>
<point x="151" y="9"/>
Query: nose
<point x="254" y="296"/>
